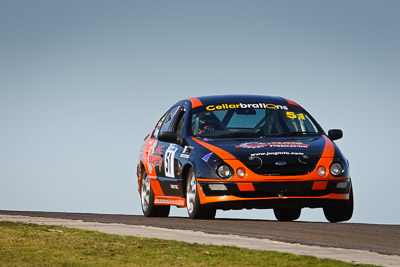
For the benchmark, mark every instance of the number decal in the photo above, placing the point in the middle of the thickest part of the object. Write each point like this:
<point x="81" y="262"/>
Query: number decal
<point x="169" y="161"/>
<point x="291" y="115"/>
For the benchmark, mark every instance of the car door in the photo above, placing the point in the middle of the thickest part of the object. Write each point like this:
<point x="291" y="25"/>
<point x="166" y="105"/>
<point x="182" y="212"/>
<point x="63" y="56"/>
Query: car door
<point x="170" y="172"/>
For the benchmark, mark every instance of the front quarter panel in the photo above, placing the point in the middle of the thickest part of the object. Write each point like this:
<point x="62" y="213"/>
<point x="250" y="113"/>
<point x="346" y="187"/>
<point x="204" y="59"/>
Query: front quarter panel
<point x="202" y="159"/>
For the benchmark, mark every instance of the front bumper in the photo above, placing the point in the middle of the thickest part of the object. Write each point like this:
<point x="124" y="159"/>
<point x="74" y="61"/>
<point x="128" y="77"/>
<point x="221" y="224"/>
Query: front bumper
<point x="273" y="194"/>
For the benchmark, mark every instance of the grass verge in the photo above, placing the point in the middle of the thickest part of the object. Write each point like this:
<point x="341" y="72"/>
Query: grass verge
<point x="38" y="245"/>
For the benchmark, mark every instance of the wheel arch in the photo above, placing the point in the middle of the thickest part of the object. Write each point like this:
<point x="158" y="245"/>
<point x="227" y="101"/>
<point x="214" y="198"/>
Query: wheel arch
<point x="141" y="169"/>
<point x="185" y="172"/>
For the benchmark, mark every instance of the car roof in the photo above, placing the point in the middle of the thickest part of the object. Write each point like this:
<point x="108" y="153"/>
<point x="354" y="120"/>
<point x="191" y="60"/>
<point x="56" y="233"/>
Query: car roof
<point x="207" y="100"/>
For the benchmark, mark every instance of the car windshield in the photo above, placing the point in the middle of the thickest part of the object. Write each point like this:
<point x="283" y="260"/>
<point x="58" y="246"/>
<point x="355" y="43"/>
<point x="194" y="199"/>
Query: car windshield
<point x="251" y="120"/>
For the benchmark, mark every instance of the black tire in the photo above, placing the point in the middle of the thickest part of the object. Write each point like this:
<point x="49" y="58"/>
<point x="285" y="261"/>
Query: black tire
<point x="287" y="214"/>
<point x="342" y="211"/>
<point x="194" y="208"/>
<point x="147" y="200"/>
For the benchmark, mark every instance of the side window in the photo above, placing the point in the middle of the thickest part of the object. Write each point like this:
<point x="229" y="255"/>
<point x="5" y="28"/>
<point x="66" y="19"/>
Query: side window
<point x="169" y="119"/>
<point x="158" y="126"/>
<point x="180" y="121"/>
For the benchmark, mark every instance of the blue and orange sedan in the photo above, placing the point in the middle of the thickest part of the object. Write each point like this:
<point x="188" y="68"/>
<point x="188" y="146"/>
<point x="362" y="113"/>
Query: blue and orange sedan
<point x="243" y="152"/>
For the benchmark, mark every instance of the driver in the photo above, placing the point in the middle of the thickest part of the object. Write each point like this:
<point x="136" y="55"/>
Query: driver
<point x="207" y="124"/>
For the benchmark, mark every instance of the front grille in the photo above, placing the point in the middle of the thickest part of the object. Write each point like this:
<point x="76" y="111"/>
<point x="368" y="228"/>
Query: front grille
<point x="288" y="169"/>
<point x="276" y="189"/>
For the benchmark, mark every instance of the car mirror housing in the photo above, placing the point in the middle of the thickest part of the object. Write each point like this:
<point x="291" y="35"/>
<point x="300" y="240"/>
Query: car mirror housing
<point x="169" y="137"/>
<point x="335" y="134"/>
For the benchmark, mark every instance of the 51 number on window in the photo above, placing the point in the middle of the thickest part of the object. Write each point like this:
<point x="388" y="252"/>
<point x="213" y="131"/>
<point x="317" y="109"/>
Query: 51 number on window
<point x="292" y="115"/>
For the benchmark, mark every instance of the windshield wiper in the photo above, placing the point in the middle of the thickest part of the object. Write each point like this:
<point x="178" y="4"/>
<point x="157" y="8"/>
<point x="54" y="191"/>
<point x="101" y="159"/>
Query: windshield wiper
<point x="239" y="134"/>
<point x="297" y="133"/>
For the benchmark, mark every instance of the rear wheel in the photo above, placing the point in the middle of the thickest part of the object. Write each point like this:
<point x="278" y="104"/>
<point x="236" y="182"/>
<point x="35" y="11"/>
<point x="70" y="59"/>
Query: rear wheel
<point x="287" y="214"/>
<point x="194" y="208"/>
<point x="147" y="200"/>
<point x="342" y="211"/>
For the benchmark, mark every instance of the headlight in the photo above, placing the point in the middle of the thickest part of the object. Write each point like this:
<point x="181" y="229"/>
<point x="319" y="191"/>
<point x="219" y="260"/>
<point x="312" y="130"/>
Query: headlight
<point x="336" y="169"/>
<point x="224" y="171"/>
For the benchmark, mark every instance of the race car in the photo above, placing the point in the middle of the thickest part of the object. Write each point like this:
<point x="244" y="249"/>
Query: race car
<point x="243" y="152"/>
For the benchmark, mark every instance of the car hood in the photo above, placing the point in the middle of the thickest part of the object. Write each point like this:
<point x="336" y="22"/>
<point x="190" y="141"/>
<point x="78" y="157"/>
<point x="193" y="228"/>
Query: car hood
<point x="275" y="156"/>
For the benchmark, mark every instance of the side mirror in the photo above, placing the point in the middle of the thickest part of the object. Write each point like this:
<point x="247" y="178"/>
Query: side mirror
<point x="335" y="134"/>
<point x="169" y="137"/>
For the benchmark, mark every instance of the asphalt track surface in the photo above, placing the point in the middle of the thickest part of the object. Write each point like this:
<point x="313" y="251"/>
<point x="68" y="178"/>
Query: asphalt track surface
<point x="383" y="239"/>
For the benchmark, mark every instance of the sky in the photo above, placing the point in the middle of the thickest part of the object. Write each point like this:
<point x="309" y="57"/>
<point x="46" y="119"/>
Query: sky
<point x="83" y="82"/>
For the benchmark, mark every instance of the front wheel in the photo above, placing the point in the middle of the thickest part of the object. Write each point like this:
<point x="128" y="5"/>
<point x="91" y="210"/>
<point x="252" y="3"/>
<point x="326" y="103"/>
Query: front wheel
<point x="286" y="214"/>
<point x="342" y="211"/>
<point x="194" y="208"/>
<point x="147" y="200"/>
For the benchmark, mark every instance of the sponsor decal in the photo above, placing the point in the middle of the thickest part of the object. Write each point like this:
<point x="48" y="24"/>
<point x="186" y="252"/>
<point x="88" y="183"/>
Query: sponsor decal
<point x="207" y="157"/>
<point x="304" y="159"/>
<point x="156" y="132"/>
<point x="187" y="150"/>
<point x="155" y="161"/>
<point x="170" y="201"/>
<point x="288" y="144"/>
<point x="273" y="144"/>
<point x="177" y="108"/>
<point x="174" y="186"/>
<point x="150" y="160"/>
<point x="255" y="157"/>
<point x="159" y="150"/>
<point x="277" y="153"/>
<point x="241" y="105"/>
<point x="252" y="145"/>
